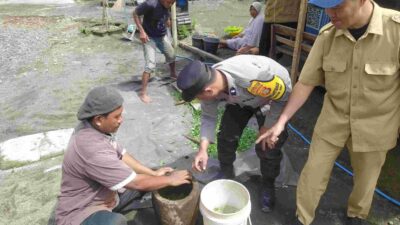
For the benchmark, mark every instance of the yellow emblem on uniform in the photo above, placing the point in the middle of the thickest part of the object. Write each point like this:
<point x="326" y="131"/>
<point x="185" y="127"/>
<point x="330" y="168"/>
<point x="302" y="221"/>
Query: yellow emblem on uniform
<point x="272" y="89"/>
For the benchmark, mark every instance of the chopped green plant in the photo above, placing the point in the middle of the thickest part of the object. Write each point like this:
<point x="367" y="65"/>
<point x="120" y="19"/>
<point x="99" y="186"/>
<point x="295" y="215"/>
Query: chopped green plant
<point x="226" y="209"/>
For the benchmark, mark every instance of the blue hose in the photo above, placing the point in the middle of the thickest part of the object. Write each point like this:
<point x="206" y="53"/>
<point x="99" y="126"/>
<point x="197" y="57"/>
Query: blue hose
<point x="184" y="57"/>
<point x="379" y="192"/>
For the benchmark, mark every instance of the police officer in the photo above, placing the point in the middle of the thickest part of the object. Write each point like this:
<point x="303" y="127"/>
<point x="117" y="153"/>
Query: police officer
<point x="248" y="83"/>
<point x="357" y="58"/>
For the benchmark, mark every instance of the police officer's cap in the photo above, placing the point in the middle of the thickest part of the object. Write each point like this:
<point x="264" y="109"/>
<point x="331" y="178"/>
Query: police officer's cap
<point x="326" y="3"/>
<point x="194" y="78"/>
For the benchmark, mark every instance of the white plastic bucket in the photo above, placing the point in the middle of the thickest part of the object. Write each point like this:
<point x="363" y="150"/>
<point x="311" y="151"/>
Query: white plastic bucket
<point x="225" y="202"/>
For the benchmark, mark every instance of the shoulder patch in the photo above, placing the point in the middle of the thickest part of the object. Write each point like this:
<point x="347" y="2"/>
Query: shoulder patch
<point x="396" y="18"/>
<point x="273" y="89"/>
<point x="326" y="27"/>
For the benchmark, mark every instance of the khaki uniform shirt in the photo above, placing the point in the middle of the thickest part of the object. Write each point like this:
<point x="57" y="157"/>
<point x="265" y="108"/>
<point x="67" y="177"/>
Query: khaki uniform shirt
<point x="282" y="11"/>
<point x="362" y="83"/>
<point x="250" y="80"/>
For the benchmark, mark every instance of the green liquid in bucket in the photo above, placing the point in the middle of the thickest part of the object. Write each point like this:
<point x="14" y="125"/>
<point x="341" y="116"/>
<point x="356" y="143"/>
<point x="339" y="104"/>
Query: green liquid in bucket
<point x="226" y="209"/>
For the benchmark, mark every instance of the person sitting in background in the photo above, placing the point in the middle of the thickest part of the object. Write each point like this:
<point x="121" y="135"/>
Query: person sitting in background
<point x="100" y="179"/>
<point x="247" y="41"/>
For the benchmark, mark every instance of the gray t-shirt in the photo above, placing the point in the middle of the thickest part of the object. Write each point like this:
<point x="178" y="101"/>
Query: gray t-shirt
<point x="92" y="172"/>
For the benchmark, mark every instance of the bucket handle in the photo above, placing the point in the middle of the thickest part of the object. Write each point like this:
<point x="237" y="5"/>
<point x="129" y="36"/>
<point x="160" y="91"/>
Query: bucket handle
<point x="249" y="221"/>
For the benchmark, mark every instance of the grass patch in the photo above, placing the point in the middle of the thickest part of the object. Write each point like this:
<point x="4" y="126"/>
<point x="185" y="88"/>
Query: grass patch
<point x="24" y="129"/>
<point x="29" y="196"/>
<point x="246" y="141"/>
<point x="10" y="164"/>
<point x="11" y="113"/>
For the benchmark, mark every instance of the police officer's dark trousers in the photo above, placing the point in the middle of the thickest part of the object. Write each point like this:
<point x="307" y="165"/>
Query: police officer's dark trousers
<point x="234" y="120"/>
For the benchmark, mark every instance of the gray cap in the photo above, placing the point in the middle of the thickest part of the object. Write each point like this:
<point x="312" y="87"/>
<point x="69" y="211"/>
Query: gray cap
<point x="100" y="100"/>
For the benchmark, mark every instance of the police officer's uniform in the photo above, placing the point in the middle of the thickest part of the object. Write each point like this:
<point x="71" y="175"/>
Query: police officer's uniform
<point x="361" y="108"/>
<point x="252" y="82"/>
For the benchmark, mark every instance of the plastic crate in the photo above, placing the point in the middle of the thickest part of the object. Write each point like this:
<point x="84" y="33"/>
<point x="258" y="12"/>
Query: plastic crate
<point x="316" y="19"/>
<point x="182" y="5"/>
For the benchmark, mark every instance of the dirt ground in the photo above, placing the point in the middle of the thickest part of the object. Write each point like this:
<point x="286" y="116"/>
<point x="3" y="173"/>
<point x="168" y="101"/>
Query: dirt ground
<point x="47" y="65"/>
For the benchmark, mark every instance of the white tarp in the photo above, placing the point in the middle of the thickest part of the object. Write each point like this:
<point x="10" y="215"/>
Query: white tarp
<point x="34" y="147"/>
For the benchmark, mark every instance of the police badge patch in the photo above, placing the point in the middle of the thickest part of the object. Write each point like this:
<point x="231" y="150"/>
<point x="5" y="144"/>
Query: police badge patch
<point x="272" y="89"/>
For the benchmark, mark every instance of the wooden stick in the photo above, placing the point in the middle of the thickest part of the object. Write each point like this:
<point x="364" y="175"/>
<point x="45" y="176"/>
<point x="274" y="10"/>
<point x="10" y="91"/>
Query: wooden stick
<point x="181" y="102"/>
<point x="192" y="139"/>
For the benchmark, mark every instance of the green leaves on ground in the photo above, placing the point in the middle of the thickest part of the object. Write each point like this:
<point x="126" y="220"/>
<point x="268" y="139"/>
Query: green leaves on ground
<point x="246" y="141"/>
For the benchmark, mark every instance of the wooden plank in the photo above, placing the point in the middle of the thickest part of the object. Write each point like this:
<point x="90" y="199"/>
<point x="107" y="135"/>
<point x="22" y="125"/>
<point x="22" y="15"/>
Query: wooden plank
<point x="309" y="37"/>
<point x="306" y="47"/>
<point x="284" y="50"/>
<point x="284" y="30"/>
<point x="285" y="41"/>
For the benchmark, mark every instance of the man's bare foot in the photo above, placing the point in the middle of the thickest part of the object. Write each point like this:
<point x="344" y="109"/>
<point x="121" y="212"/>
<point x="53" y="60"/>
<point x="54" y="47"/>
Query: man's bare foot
<point x="173" y="76"/>
<point x="145" y="98"/>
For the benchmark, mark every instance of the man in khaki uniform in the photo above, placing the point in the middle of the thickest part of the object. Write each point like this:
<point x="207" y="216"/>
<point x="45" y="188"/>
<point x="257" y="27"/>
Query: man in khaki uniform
<point x="285" y="12"/>
<point x="356" y="58"/>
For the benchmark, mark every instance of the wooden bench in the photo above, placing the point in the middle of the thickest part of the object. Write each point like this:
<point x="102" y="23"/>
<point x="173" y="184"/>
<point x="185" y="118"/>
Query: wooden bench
<point x="283" y="40"/>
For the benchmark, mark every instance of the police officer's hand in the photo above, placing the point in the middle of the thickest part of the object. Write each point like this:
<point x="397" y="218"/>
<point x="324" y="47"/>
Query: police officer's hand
<point x="162" y="171"/>
<point x="270" y="136"/>
<point x="143" y="37"/>
<point x="200" y="161"/>
<point x="179" y="177"/>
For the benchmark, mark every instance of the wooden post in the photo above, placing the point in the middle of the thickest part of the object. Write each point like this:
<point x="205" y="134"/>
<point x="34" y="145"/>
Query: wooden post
<point x="299" y="39"/>
<point x="174" y="26"/>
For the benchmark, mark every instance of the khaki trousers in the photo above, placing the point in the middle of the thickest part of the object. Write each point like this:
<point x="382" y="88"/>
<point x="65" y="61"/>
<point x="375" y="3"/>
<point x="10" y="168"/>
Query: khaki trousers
<point x="317" y="170"/>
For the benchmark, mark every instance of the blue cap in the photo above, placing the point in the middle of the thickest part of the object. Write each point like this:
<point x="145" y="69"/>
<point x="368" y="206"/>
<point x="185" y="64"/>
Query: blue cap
<point x="193" y="79"/>
<point x="325" y="3"/>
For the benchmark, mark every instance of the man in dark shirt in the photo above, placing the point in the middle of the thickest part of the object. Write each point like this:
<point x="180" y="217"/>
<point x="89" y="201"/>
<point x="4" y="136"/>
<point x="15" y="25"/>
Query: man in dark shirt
<point x="153" y="30"/>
